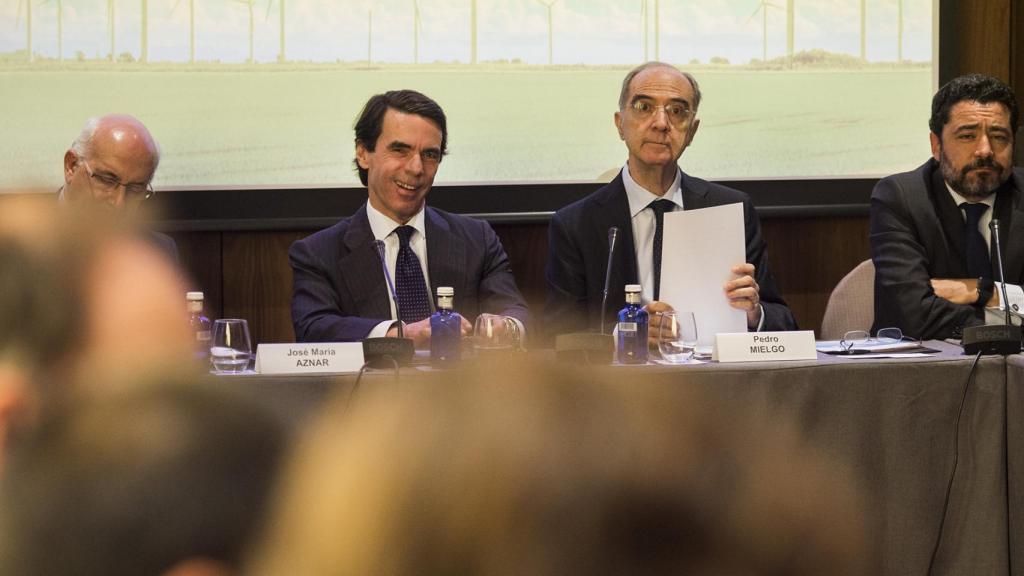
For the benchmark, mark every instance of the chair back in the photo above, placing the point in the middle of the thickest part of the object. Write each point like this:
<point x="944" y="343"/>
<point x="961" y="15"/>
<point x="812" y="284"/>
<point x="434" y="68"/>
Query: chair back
<point x="852" y="303"/>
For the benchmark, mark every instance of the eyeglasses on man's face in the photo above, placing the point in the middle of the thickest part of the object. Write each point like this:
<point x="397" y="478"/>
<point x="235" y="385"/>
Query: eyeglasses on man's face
<point x="109" y="183"/>
<point x="678" y="114"/>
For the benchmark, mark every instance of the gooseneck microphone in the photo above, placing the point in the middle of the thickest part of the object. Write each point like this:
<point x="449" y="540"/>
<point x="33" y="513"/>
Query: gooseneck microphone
<point x="386" y="351"/>
<point x="999" y="339"/>
<point x="994" y="227"/>
<point x="613" y="236"/>
<point x="379" y="245"/>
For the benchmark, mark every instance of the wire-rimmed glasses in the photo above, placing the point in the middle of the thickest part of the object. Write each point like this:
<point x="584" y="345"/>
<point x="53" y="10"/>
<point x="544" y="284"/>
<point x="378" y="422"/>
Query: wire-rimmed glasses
<point x="109" y="183"/>
<point x="854" y="338"/>
<point x="679" y="115"/>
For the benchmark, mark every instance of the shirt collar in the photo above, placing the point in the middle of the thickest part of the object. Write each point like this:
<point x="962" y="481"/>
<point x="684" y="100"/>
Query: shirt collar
<point x="640" y="197"/>
<point x="989" y="200"/>
<point x="382" y="226"/>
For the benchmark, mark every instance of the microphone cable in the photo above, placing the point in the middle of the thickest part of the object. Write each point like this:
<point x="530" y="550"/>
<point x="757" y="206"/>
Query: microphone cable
<point x="956" y="458"/>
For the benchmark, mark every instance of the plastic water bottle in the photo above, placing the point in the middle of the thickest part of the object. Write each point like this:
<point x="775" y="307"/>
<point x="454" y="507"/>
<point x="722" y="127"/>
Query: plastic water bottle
<point x="632" y="329"/>
<point x="200" y="324"/>
<point x="445" y="330"/>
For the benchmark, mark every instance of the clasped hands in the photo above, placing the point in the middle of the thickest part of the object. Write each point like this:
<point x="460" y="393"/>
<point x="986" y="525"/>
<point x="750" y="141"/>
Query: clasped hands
<point x="743" y="293"/>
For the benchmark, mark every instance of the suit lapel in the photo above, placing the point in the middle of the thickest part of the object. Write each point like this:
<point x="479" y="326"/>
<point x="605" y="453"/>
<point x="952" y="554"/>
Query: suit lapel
<point x="445" y="255"/>
<point x="361" y="269"/>
<point x="695" y="193"/>
<point x="951" y="219"/>
<point x="1013" y="241"/>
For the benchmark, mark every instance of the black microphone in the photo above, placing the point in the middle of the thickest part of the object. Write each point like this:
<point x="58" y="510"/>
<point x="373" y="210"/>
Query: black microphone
<point x="379" y="245"/>
<point x="387" y="351"/>
<point x="994" y="227"/>
<point x="994" y="339"/>
<point x="613" y="236"/>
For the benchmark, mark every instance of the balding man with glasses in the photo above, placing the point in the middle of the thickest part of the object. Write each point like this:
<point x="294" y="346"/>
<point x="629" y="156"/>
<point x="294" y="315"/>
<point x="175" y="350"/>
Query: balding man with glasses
<point x="657" y="119"/>
<point x="111" y="165"/>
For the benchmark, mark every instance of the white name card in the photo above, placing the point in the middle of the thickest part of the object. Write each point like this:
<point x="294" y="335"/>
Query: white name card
<point x="318" y="358"/>
<point x="764" y="346"/>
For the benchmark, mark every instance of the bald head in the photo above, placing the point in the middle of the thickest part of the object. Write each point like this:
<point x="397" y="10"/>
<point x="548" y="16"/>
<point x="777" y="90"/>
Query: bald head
<point x="111" y="163"/>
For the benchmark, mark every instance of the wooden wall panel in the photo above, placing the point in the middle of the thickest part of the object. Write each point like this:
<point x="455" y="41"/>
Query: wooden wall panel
<point x="983" y="37"/>
<point x="258" y="283"/>
<point x="809" y="256"/>
<point x="201" y="256"/>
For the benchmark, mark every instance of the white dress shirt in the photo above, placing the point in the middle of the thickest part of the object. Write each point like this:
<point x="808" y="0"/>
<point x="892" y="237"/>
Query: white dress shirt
<point x="1014" y="293"/>
<point x="383" y="229"/>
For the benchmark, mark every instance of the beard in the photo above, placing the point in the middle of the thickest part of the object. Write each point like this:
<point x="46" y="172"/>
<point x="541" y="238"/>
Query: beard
<point x="981" y="185"/>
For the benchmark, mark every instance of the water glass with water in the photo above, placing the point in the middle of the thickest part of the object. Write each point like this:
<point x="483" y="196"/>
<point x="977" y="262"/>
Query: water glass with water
<point x="677" y="337"/>
<point x="230" y="350"/>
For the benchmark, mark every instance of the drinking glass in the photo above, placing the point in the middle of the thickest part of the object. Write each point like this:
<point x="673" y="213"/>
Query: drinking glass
<point x="677" y="337"/>
<point x="230" y="350"/>
<point x="494" y="333"/>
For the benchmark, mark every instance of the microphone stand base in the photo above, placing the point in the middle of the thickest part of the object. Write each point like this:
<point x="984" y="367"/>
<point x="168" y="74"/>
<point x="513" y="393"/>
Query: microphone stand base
<point x="996" y="339"/>
<point x="380" y="352"/>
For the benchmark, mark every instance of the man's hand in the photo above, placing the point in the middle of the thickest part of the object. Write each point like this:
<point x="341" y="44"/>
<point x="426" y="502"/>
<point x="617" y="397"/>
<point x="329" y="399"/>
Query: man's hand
<point x="419" y="332"/>
<point x="654" y="321"/>
<point x="744" y="293"/>
<point x="961" y="291"/>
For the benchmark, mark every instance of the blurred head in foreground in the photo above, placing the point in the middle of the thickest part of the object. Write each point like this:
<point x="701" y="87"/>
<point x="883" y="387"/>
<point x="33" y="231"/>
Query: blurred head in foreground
<point x="79" y="295"/>
<point x="555" y="472"/>
<point x="159" y="477"/>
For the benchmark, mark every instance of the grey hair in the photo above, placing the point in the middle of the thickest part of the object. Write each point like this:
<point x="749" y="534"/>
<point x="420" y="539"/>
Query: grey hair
<point x="655" y="64"/>
<point x="83" y="142"/>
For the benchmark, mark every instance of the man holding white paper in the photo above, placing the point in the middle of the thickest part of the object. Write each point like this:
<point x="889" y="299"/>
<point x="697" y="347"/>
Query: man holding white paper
<point x="657" y="119"/>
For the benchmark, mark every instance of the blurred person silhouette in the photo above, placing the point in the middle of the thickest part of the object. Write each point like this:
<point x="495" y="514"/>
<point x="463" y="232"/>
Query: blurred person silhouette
<point x="556" y="471"/>
<point x="79" y="295"/>
<point x="111" y="164"/>
<point x="158" y="477"/>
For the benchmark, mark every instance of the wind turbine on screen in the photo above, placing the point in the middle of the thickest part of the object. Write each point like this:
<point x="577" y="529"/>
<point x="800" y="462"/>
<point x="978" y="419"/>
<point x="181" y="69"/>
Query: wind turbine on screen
<point x="763" y="7"/>
<point x="28" y="26"/>
<point x="60" y="26"/>
<point x="281" y="36"/>
<point x="250" y="4"/>
<point x="547" y="4"/>
<point x="416" y="25"/>
<point x="191" y="28"/>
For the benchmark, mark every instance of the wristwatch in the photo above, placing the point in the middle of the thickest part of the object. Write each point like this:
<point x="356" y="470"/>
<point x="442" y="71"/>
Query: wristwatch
<point x="986" y="287"/>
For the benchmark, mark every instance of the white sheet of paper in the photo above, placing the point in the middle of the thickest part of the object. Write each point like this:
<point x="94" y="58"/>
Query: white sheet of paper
<point x="700" y="247"/>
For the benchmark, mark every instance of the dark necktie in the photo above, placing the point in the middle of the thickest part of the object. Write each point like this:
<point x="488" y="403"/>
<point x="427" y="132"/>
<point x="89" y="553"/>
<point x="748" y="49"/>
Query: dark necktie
<point x="413" y="299"/>
<point x="659" y="207"/>
<point x="979" y="262"/>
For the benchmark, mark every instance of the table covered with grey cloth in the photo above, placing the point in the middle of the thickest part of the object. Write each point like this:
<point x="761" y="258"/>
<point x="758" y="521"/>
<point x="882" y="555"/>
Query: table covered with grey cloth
<point x="892" y="420"/>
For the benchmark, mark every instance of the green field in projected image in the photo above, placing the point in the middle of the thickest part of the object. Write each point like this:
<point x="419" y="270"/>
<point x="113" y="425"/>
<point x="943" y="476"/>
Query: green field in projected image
<point x="272" y="126"/>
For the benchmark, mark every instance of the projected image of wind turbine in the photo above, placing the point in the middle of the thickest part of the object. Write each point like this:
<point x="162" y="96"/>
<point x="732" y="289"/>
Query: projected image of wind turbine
<point x="547" y="4"/>
<point x="191" y="28"/>
<point x="416" y="25"/>
<point x="281" y="35"/>
<point x="28" y="26"/>
<point x="763" y="7"/>
<point x="250" y="4"/>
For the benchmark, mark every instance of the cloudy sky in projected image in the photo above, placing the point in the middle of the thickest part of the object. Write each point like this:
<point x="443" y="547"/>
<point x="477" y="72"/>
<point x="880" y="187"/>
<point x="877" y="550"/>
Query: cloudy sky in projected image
<point x="585" y="31"/>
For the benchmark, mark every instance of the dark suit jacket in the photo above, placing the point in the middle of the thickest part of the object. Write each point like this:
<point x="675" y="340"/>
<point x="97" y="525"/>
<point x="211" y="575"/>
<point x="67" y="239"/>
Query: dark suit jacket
<point x="578" y="255"/>
<point x="917" y="233"/>
<point x="339" y="292"/>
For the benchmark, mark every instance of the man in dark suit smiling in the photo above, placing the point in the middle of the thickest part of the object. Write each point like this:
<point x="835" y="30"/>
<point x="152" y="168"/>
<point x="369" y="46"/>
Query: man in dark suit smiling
<point x="657" y="119"/>
<point x="339" y="291"/>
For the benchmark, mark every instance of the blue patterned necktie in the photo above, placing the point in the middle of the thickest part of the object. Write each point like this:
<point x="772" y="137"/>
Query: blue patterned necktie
<point x="411" y="288"/>
<point x="660" y="207"/>
<point x="979" y="262"/>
